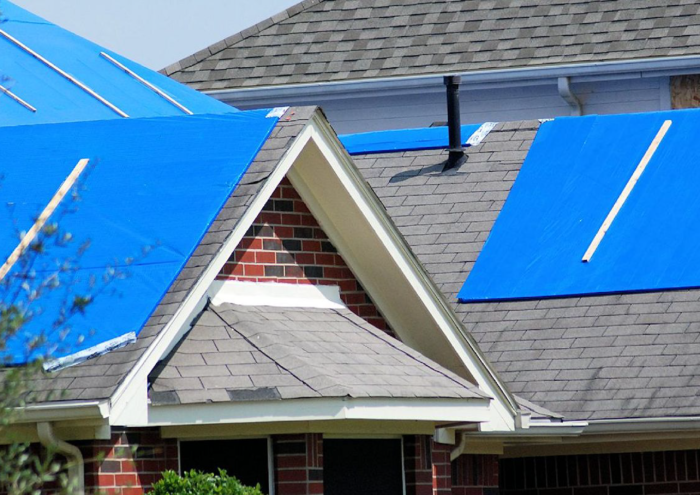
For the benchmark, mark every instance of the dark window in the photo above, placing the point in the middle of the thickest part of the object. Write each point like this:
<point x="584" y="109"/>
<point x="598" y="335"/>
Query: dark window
<point x="244" y="459"/>
<point x="369" y="467"/>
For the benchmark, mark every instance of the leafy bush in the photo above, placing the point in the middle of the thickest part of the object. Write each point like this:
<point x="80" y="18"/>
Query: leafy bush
<point x="198" y="483"/>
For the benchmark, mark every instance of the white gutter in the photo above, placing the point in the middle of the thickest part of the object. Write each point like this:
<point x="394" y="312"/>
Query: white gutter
<point x="541" y="429"/>
<point x="582" y="72"/>
<point x="76" y="467"/>
<point x="61" y="411"/>
<point x="630" y="425"/>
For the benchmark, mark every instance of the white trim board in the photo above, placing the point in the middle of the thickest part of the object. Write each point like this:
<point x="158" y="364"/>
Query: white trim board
<point x="274" y="294"/>
<point x="430" y="410"/>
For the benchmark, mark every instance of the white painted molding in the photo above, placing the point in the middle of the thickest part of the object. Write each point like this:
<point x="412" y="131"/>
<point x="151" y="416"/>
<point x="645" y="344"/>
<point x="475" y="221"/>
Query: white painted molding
<point x="274" y="294"/>
<point x="292" y="410"/>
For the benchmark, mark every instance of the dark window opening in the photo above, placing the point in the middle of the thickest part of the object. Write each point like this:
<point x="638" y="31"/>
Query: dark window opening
<point x="247" y="459"/>
<point x="369" y="467"/>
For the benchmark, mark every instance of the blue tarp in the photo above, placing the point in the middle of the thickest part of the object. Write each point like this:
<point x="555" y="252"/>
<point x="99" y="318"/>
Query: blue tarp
<point x="59" y="100"/>
<point x="402" y="139"/>
<point x="152" y="183"/>
<point x="573" y="175"/>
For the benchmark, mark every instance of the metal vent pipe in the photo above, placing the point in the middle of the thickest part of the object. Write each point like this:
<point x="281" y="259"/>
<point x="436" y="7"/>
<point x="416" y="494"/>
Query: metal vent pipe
<point x="454" y="124"/>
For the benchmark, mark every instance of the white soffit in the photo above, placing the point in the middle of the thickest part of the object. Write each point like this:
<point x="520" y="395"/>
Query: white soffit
<point x="275" y="294"/>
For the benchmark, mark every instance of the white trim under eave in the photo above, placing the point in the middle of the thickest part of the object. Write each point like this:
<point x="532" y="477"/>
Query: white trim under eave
<point x="582" y="72"/>
<point x="131" y="395"/>
<point x="324" y="409"/>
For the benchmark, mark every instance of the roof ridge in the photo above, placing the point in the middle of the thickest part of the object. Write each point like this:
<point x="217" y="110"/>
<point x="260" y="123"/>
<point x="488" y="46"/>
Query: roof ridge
<point x="191" y="60"/>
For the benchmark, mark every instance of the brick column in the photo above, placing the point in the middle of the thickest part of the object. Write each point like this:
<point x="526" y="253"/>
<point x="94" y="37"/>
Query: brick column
<point x="129" y="463"/>
<point x="475" y="475"/>
<point x="417" y="455"/>
<point x="442" y="469"/>
<point x="298" y="464"/>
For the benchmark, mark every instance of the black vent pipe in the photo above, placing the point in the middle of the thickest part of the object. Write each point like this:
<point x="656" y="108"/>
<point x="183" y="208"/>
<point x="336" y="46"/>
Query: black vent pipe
<point x="454" y="126"/>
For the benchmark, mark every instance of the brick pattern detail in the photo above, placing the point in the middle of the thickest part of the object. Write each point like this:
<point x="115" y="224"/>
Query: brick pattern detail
<point x="129" y="463"/>
<point x="475" y="475"/>
<point x="442" y="469"/>
<point x="674" y="472"/>
<point x="417" y="455"/>
<point x="287" y="245"/>
<point x="685" y="91"/>
<point x="298" y="464"/>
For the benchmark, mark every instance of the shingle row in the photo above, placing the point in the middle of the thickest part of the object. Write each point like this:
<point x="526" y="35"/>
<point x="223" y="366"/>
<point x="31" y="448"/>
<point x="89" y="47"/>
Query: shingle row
<point x="236" y="353"/>
<point x="354" y="39"/>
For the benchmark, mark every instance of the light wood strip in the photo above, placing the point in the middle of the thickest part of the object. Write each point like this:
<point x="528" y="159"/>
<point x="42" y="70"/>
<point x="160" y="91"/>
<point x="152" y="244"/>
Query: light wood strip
<point x="153" y="87"/>
<point x="626" y="191"/>
<point x="63" y="73"/>
<point x="43" y="218"/>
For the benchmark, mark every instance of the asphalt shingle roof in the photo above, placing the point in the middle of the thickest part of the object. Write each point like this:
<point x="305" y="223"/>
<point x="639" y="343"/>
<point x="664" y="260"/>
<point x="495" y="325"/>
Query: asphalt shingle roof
<point x="593" y="357"/>
<point x="335" y="40"/>
<point x="242" y="353"/>
<point x="98" y="378"/>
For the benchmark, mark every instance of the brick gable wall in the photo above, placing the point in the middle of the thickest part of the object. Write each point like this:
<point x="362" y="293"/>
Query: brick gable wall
<point x="287" y="245"/>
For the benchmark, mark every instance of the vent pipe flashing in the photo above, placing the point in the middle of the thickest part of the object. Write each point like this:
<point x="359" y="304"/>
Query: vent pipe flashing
<point x="454" y="125"/>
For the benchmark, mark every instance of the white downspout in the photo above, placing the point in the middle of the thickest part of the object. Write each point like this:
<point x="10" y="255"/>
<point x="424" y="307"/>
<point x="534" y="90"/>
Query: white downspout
<point x="459" y="449"/>
<point x="76" y="467"/>
<point x="564" y="87"/>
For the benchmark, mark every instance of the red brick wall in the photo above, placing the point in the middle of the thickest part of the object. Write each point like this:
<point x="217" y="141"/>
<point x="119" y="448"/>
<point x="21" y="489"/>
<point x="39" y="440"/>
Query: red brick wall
<point x="129" y="463"/>
<point x="298" y="464"/>
<point x="475" y="475"/>
<point x="418" y="468"/>
<point x="427" y="466"/>
<point x="442" y="469"/>
<point x="603" y="474"/>
<point x="286" y="245"/>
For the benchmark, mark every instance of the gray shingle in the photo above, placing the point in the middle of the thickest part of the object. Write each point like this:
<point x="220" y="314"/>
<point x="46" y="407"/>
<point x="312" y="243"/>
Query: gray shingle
<point x="594" y="357"/>
<point x="322" y="41"/>
<point x="311" y="353"/>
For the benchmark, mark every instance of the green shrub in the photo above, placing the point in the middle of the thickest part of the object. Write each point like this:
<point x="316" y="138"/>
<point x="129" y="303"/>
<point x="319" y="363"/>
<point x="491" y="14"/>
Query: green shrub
<point x="198" y="483"/>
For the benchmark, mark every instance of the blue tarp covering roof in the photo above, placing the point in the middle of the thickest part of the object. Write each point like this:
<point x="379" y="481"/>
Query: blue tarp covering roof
<point x="574" y="173"/>
<point x="56" y="99"/>
<point x="152" y="183"/>
<point x="402" y="139"/>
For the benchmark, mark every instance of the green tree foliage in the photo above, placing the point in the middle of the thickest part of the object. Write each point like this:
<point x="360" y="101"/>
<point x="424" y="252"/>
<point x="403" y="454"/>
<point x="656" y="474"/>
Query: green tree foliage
<point x="198" y="483"/>
<point x="48" y="267"/>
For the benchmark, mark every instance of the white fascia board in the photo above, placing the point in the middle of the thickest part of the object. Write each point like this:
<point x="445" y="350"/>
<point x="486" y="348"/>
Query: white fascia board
<point x="276" y="295"/>
<point x="504" y="405"/>
<point x="133" y="386"/>
<point x="582" y="72"/>
<point x="335" y="409"/>
<point x="63" y="411"/>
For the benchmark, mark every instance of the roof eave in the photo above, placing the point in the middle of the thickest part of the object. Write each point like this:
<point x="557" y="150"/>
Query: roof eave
<point x="581" y="72"/>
